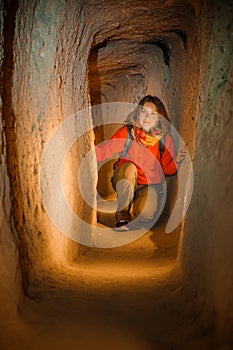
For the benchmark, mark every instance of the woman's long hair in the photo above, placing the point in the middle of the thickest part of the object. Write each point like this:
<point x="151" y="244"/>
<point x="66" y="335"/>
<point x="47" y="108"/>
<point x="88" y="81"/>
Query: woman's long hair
<point x="163" y="123"/>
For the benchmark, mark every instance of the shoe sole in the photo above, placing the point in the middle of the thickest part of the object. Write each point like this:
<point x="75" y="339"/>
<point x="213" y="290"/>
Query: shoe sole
<point x="122" y="228"/>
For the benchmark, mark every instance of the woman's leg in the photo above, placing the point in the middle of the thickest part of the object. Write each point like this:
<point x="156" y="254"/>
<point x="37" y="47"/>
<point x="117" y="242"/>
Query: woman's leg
<point x="146" y="202"/>
<point x="124" y="182"/>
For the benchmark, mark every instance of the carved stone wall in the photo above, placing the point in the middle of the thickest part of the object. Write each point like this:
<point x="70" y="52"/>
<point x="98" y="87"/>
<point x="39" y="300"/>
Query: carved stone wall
<point x="61" y="57"/>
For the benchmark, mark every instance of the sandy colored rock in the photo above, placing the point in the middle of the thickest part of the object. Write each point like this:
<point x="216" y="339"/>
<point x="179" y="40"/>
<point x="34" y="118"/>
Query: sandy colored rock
<point x="59" y="58"/>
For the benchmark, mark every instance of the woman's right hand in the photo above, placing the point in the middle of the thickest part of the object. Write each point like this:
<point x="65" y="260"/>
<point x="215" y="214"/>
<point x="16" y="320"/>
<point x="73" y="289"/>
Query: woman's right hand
<point x="180" y="156"/>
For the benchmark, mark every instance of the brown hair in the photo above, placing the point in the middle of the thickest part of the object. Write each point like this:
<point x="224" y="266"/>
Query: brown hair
<point x="163" y="124"/>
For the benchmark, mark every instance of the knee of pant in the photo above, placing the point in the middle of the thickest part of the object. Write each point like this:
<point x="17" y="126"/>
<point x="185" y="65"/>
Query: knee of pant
<point x="128" y="171"/>
<point x="125" y="186"/>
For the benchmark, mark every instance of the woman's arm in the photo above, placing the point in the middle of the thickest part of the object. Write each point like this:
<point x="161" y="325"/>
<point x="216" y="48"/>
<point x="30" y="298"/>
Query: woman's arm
<point x="111" y="147"/>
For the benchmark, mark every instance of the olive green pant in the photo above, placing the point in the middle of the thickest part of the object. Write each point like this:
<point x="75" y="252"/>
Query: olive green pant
<point x="143" y="199"/>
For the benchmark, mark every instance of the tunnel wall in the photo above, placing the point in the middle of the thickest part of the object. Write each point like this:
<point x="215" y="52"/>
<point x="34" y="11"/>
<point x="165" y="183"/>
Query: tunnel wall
<point x="46" y="86"/>
<point x="11" y="291"/>
<point x="206" y="254"/>
<point x="34" y="115"/>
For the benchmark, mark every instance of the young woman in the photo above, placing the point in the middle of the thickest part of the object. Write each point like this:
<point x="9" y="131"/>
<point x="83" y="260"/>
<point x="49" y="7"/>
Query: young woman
<point x="146" y="152"/>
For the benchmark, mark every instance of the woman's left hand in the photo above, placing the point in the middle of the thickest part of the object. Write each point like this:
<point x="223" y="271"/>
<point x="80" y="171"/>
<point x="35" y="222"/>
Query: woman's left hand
<point x="180" y="156"/>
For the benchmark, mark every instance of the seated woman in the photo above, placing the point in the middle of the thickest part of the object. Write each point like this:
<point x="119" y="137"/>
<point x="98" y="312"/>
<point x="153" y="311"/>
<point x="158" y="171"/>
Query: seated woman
<point x="146" y="152"/>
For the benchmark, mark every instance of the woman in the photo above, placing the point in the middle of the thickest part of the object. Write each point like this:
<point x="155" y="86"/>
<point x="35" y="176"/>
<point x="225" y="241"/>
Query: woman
<point x="146" y="152"/>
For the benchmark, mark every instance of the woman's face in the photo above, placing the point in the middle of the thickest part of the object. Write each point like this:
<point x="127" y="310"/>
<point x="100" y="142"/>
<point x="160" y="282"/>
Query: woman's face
<point x="148" y="117"/>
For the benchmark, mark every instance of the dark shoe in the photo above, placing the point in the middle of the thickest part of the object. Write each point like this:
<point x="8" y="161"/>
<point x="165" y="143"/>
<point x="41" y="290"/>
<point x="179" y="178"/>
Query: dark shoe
<point x="122" y="225"/>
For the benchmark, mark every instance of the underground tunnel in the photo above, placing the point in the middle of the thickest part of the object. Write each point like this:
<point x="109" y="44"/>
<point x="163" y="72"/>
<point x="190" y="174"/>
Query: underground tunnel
<point x="60" y="60"/>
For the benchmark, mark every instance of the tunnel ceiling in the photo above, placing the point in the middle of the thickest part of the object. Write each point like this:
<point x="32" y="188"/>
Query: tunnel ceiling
<point x="129" y="40"/>
<point x="118" y="55"/>
<point x="124" y="62"/>
<point x="141" y="20"/>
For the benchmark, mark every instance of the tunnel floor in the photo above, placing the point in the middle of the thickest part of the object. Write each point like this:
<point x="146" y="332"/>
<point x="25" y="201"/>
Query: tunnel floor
<point x="130" y="297"/>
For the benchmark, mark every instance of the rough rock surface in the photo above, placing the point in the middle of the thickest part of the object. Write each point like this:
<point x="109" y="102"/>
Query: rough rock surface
<point x="207" y="248"/>
<point x="10" y="276"/>
<point x="59" y="57"/>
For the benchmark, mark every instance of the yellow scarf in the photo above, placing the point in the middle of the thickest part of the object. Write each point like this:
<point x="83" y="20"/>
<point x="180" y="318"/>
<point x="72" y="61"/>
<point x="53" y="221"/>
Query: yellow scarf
<point x="145" y="138"/>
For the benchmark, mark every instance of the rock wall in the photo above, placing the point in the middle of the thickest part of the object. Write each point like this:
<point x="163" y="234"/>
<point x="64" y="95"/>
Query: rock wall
<point x="49" y="86"/>
<point x="11" y="291"/>
<point x="207" y="246"/>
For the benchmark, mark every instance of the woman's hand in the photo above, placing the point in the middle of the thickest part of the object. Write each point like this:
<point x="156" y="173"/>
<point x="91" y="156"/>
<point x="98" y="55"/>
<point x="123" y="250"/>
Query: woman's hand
<point x="180" y="156"/>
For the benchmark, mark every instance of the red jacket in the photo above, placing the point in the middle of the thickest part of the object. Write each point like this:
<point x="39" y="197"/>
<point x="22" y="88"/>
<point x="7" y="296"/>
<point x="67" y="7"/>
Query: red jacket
<point x="151" y="166"/>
